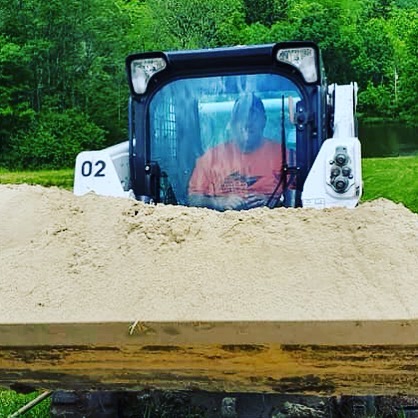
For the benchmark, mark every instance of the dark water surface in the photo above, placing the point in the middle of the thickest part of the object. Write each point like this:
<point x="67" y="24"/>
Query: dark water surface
<point x="386" y="140"/>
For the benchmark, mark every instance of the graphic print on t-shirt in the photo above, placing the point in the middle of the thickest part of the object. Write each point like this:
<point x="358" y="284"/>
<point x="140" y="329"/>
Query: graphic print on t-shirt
<point x="238" y="183"/>
<point x="225" y="170"/>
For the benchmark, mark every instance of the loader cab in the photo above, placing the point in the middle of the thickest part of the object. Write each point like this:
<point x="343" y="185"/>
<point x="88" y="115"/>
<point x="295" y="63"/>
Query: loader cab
<point x="181" y="106"/>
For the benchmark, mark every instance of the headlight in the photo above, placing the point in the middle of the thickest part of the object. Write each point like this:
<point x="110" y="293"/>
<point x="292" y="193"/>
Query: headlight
<point x="303" y="58"/>
<point x="141" y="70"/>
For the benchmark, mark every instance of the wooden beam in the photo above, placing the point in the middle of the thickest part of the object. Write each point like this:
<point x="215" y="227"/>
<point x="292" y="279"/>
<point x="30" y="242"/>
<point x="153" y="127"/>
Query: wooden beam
<point x="324" y="358"/>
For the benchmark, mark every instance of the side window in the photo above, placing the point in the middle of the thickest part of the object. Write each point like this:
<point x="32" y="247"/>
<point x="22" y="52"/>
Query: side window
<point x="175" y="139"/>
<point x="164" y="126"/>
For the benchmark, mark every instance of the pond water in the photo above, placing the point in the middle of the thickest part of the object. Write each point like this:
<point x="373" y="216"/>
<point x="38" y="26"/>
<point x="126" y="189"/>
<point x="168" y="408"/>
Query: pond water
<point x="388" y="140"/>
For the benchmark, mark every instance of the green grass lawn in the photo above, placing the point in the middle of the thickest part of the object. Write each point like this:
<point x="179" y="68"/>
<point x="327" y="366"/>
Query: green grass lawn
<point x="60" y="178"/>
<point x="11" y="401"/>
<point x="392" y="178"/>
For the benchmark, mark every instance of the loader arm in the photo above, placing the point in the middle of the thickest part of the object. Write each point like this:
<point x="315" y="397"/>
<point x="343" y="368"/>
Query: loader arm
<point x="335" y="178"/>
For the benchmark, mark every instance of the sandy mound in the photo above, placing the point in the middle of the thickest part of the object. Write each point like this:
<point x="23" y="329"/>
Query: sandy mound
<point x="91" y="258"/>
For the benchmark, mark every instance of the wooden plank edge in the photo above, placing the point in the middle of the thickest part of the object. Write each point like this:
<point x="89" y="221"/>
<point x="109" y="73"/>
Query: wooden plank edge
<point x="386" y="332"/>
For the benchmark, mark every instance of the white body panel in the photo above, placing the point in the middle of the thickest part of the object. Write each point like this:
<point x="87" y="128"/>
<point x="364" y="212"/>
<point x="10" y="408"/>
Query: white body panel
<point x="105" y="172"/>
<point x="318" y="191"/>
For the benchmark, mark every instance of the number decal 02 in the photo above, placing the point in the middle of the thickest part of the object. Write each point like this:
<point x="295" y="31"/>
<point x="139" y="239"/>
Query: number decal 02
<point x="87" y="169"/>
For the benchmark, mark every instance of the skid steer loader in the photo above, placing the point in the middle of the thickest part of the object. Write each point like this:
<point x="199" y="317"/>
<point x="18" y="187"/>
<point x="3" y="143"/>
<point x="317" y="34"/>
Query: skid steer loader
<point x="180" y="107"/>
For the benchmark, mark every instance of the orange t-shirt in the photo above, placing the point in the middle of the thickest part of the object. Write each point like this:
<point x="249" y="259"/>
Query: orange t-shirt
<point x="226" y="170"/>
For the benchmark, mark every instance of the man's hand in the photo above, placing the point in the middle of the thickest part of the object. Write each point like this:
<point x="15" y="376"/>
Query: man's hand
<point x="232" y="202"/>
<point x="255" y="201"/>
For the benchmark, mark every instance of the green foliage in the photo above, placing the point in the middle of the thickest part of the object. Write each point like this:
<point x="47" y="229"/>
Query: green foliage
<point x="380" y="8"/>
<point x="323" y="23"/>
<point x="230" y="29"/>
<point x="192" y="24"/>
<point x="57" y="57"/>
<point x="375" y="61"/>
<point x="266" y="12"/>
<point x="15" y="107"/>
<point x="376" y="101"/>
<point x="408" y="77"/>
<point x="406" y="4"/>
<point x="254" y="34"/>
<point x="54" y="142"/>
<point x="69" y="56"/>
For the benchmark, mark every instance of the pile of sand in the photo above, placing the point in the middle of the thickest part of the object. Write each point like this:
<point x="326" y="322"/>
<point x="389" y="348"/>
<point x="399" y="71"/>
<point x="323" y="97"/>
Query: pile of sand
<point x="91" y="258"/>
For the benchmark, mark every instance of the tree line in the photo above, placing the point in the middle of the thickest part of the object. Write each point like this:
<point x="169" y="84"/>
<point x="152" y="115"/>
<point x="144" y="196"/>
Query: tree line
<point x="62" y="78"/>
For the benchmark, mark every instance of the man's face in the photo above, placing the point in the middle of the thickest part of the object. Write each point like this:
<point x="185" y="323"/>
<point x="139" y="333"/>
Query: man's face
<point x="249" y="131"/>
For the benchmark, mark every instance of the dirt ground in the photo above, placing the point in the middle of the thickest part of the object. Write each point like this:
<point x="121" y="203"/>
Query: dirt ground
<point x="65" y="258"/>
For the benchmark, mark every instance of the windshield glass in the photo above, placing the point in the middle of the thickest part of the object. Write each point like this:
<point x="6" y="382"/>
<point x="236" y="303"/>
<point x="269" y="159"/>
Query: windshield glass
<point x="220" y="138"/>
